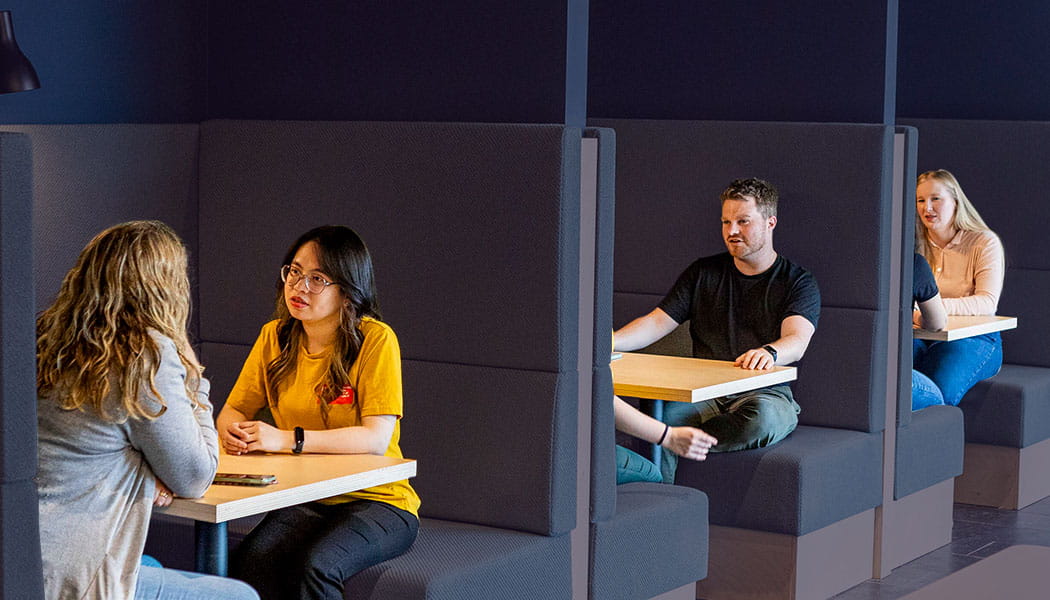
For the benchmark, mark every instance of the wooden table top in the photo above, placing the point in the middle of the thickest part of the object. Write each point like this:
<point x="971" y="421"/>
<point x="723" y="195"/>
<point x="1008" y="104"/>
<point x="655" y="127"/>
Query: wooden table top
<point x="683" y="379"/>
<point x="960" y="327"/>
<point x="300" y="478"/>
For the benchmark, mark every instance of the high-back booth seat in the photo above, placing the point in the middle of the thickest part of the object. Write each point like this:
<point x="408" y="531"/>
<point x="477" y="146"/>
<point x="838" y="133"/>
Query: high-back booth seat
<point x="779" y="515"/>
<point x="474" y="231"/>
<point x="927" y="445"/>
<point x="1001" y="167"/>
<point x="646" y="538"/>
<point x="21" y="575"/>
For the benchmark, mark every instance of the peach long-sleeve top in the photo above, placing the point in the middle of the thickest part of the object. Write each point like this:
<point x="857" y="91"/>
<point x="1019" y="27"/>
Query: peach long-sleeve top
<point x="969" y="271"/>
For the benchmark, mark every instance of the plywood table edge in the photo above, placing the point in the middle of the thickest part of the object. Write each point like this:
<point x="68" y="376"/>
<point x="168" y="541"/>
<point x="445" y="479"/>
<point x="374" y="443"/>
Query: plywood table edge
<point x="235" y="509"/>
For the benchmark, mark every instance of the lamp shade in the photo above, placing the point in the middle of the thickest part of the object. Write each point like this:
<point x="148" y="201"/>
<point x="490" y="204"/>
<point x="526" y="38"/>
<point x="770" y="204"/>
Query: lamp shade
<point x="16" y="73"/>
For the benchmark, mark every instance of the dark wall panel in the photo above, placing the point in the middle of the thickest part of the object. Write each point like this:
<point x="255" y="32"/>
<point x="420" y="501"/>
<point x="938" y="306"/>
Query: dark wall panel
<point x="468" y="60"/>
<point x="974" y="60"/>
<point x="101" y="61"/>
<point x="748" y="60"/>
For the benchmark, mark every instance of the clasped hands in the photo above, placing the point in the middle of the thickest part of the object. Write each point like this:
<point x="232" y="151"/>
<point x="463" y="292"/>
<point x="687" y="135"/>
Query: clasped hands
<point x="243" y="437"/>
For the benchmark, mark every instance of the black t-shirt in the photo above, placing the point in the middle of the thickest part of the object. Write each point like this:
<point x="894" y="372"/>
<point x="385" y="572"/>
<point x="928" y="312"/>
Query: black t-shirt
<point x="732" y="313"/>
<point x="923" y="285"/>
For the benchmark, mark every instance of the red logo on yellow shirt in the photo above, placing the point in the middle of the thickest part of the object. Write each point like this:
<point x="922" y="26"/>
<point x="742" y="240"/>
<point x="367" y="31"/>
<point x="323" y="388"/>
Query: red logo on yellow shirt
<point x="347" y="397"/>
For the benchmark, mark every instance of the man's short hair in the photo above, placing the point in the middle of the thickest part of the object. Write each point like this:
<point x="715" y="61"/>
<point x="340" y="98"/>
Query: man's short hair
<point x="764" y="193"/>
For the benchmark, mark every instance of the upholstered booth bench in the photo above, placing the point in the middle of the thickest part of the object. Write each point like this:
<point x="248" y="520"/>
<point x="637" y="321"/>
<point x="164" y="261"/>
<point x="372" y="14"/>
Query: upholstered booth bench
<point x="474" y="230"/>
<point x="1001" y="166"/>
<point x="646" y="539"/>
<point x="780" y="516"/>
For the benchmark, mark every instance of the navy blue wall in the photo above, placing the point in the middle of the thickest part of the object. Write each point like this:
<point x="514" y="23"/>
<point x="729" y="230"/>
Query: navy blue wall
<point x="807" y="60"/>
<point x="974" y="60"/>
<point x="394" y="60"/>
<point x="177" y="61"/>
<point x="101" y="61"/>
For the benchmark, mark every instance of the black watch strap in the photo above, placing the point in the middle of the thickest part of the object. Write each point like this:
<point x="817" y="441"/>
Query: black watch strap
<point x="300" y="437"/>
<point x="771" y="350"/>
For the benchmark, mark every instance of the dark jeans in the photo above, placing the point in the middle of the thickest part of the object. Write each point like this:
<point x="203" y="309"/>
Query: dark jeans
<point x="308" y="551"/>
<point x="743" y="421"/>
<point x="957" y="365"/>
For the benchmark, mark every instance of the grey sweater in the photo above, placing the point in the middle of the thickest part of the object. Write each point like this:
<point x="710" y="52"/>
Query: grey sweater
<point x="97" y="481"/>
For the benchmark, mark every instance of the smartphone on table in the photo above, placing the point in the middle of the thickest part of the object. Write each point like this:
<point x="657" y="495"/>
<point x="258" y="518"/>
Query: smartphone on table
<point x="244" y="479"/>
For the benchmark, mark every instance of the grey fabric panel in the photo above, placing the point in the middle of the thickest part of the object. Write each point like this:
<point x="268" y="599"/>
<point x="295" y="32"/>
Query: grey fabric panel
<point x="656" y="542"/>
<point x="603" y="427"/>
<point x="929" y="449"/>
<point x="1025" y="294"/>
<point x="496" y="447"/>
<point x="21" y="571"/>
<point x="89" y="177"/>
<point x="1011" y="409"/>
<point x="473" y="229"/>
<point x="603" y="447"/>
<point x="17" y="313"/>
<point x="815" y="477"/>
<point x="907" y="259"/>
<point x="670" y="174"/>
<point x="842" y="378"/>
<point x="222" y="365"/>
<point x="459" y="561"/>
<point x="21" y="574"/>
<point x="996" y="162"/>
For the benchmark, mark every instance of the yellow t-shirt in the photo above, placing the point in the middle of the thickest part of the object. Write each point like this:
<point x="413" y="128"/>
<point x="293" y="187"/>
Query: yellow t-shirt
<point x="375" y="389"/>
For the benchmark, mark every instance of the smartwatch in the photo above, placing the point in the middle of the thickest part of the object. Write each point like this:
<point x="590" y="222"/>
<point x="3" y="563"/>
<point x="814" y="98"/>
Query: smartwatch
<point x="771" y="350"/>
<point x="300" y="437"/>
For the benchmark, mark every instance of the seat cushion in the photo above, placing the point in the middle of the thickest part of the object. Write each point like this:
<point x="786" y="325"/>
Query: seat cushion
<point x="929" y="449"/>
<point x="656" y="542"/>
<point x="1011" y="409"/>
<point x="459" y="561"/>
<point x="815" y="477"/>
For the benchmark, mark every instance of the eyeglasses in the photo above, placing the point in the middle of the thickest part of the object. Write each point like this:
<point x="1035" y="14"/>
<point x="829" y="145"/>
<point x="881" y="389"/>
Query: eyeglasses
<point x="315" y="284"/>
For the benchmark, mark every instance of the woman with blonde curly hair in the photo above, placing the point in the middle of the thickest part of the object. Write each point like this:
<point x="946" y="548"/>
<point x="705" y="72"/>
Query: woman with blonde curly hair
<point x="968" y="265"/>
<point x="124" y="418"/>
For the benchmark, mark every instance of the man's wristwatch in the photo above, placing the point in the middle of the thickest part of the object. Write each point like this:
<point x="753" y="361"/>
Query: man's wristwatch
<point x="300" y="437"/>
<point x="771" y="350"/>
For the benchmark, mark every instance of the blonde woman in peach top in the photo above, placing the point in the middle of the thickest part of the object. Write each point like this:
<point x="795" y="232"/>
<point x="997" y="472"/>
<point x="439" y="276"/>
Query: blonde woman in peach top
<point x="968" y="263"/>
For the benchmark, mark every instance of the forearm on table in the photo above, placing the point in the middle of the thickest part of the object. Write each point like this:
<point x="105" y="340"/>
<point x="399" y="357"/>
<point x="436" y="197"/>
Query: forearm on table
<point x="795" y="334"/>
<point x="372" y="437"/>
<point x="932" y="314"/>
<point x="975" y="305"/>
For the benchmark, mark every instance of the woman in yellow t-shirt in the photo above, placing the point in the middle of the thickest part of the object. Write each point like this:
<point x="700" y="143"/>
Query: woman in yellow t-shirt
<point x="330" y="372"/>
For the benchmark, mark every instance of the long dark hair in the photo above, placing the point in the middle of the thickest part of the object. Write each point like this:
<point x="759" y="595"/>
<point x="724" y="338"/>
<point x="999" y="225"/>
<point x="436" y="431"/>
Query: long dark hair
<point x="345" y="258"/>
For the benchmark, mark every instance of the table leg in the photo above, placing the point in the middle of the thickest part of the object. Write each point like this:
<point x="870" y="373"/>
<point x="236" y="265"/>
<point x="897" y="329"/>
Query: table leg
<point x="658" y="414"/>
<point x="211" y="548"/>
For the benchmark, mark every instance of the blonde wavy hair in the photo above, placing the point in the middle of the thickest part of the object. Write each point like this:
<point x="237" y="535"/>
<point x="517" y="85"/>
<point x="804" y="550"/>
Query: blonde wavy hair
<point x="129" y="279"/>
<point x="966" y="216"/>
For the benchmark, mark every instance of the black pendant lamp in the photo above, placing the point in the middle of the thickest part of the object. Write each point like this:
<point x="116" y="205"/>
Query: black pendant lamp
<point x="16" y="73"/>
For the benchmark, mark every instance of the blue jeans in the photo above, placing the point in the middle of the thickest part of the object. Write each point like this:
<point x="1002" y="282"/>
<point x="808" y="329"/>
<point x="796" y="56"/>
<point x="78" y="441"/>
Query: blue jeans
<point x="156" y="583"/>
<point x="743" y="421"/>
<point x="308" y="551"/>
<point x="924" y="392"/>
<point x="957" y="365"/>
<point x="631" y="467"/>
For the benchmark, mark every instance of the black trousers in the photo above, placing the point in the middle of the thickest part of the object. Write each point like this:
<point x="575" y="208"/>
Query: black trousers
<point x="308" y="551"/>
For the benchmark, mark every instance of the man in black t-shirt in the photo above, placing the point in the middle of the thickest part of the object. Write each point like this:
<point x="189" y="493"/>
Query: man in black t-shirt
<point x="748" y="305"/>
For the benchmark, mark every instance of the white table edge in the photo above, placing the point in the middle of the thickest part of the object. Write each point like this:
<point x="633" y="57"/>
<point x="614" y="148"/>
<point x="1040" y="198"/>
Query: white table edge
<point x="950" y="335"/>
<point x="192" y="508"/>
